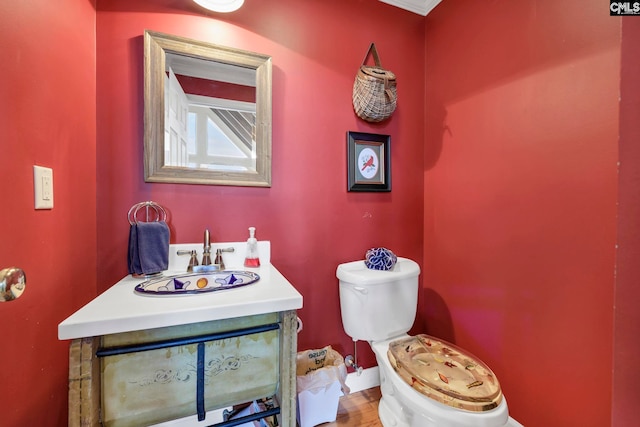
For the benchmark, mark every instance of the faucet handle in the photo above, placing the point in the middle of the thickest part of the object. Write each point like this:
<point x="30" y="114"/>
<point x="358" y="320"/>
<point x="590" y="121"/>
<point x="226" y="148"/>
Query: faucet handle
<point x="219" y="261"/>
<point x="194" y="258"/>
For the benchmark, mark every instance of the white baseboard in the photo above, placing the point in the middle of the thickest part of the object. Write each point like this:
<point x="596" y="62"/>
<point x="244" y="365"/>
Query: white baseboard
<point x="368" y="378"/>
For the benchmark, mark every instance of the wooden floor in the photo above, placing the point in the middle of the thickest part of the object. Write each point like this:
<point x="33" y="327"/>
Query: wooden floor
<point x="358" y="409"/>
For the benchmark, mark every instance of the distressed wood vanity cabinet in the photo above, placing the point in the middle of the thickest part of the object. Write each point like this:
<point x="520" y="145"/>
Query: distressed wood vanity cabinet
<point x="140" y="360"/>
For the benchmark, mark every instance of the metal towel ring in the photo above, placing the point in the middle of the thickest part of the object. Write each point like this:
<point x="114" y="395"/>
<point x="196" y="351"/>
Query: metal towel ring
<point x="151" y="212"/>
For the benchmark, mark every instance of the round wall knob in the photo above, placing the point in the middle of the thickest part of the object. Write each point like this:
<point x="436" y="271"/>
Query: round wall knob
<point x="12" y="283"/>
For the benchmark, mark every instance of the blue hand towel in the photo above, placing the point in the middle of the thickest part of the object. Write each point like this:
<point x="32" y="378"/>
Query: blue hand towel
<point x="148" y="247"/>
<point x="134" y="257"/>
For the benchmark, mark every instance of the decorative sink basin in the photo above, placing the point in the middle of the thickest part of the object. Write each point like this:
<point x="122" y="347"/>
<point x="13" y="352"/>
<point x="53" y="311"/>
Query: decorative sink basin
<point x="196" y="283"/>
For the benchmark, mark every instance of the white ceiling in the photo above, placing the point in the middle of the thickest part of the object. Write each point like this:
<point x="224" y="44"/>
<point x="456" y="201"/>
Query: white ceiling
<point x="421" y="7"/>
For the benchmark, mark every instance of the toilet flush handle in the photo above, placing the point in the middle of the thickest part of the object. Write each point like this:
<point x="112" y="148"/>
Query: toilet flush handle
<point x="362" y="290"/>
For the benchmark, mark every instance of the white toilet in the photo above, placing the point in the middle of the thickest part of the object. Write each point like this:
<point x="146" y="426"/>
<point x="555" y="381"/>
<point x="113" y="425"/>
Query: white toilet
<point x="425" y="381"/>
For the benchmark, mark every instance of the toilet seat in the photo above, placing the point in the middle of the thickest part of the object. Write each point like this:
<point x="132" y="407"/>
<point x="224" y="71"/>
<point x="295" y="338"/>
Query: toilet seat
<point x="399" y="399"/>
<point x="444" y="372"/>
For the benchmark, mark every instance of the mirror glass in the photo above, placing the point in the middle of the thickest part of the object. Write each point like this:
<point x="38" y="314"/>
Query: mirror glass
<point x="207" y="113"/>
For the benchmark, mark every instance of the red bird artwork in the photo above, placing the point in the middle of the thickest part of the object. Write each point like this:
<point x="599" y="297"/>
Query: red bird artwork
<point x="368" y="163"/>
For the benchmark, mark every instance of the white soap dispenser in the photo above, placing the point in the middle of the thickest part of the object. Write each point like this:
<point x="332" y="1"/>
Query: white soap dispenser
<point x="252" y="259"/>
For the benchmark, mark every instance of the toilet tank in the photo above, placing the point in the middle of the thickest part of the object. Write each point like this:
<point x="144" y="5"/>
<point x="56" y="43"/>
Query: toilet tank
<point x="378" y="305"/>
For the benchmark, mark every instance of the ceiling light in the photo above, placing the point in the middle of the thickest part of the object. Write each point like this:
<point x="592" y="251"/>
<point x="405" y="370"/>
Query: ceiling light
<point x="220" y="5"/>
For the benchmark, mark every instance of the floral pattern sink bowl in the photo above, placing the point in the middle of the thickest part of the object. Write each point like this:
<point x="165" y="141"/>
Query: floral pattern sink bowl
<point x="197" y="283"/>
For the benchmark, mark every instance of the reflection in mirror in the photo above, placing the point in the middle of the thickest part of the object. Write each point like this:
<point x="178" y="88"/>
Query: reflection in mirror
<point x="207" y="113"/>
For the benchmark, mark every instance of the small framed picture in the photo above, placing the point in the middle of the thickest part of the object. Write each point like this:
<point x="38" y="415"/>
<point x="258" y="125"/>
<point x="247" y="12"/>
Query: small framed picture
<point x="368" y="162"/>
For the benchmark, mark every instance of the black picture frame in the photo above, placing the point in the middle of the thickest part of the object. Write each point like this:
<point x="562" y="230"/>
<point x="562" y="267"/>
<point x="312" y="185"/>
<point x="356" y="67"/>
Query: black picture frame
<point x="368" y="162"/>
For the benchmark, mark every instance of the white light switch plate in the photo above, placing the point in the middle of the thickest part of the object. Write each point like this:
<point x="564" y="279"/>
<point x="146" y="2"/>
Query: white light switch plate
<point x="43" y="187"/>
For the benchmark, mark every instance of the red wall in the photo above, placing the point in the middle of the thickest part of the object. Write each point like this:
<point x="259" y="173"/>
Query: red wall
<point x="48" y="118"/>
<point x="518" y="181"/>
<point x="626" y="376"/>
<point x="313" y="223"/>
<point x="520" y="198"/>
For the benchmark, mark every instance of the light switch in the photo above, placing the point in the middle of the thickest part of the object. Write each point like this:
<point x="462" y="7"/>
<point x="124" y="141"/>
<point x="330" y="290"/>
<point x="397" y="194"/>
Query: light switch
<point x="43" y="187"/>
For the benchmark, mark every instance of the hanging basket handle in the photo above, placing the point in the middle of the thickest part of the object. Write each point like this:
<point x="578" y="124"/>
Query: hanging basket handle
<point x="381" y="73"/>
<point x="376" y="58"/>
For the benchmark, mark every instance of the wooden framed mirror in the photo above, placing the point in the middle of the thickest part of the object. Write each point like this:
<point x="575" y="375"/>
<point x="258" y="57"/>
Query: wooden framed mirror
<point x="207" y="113"/>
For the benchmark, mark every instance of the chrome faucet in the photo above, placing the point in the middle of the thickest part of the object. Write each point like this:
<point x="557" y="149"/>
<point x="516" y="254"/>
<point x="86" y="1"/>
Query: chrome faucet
<point x="206" y="255"/>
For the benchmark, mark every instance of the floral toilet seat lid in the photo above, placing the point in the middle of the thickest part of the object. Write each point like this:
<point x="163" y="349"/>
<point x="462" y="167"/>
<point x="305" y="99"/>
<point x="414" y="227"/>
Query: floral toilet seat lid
<point x="446" y="373"/>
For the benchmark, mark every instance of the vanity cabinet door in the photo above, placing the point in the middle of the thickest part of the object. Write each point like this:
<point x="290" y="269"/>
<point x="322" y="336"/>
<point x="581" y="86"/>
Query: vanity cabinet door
<point x="153" y="386"/>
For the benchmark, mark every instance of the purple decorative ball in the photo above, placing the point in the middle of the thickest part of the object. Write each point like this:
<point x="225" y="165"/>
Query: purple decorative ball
<point x="380" y="259"/>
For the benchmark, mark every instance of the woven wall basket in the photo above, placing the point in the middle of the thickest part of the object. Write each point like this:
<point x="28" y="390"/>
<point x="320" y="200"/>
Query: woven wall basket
<point x="374" y="90"/>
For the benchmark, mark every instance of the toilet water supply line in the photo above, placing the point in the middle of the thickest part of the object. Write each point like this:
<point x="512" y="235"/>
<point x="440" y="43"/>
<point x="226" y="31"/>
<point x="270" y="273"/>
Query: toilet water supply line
<point x="352" y="361"/>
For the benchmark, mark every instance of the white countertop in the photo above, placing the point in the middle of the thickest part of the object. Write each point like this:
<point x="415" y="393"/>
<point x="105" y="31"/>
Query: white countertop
<point x="121" y="309"/>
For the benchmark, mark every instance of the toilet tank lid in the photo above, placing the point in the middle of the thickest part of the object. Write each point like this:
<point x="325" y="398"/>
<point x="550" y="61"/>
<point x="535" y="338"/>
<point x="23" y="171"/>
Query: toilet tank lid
<point x="356" y="272"/>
